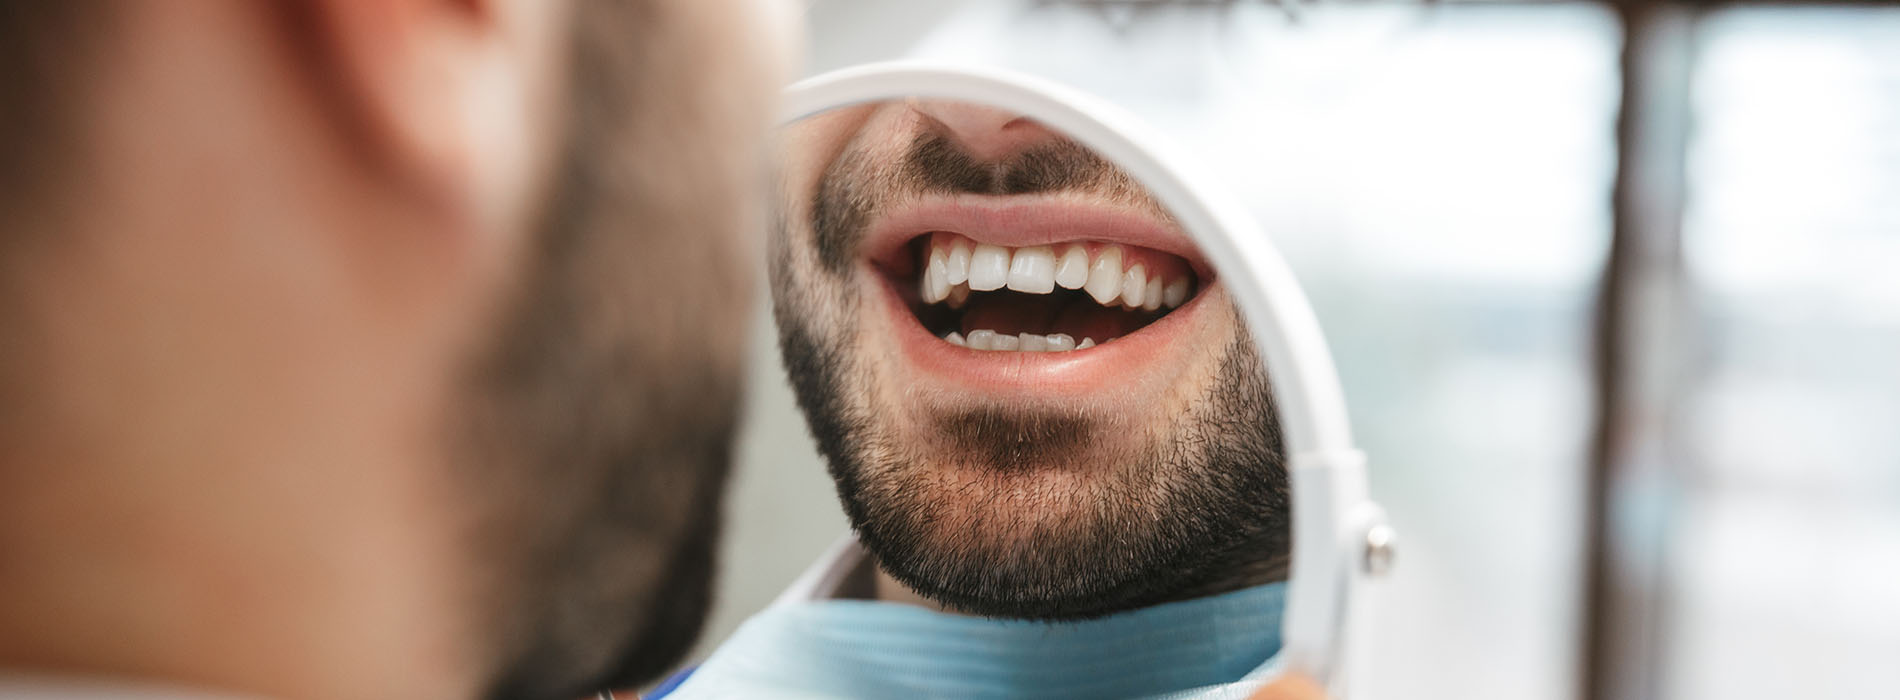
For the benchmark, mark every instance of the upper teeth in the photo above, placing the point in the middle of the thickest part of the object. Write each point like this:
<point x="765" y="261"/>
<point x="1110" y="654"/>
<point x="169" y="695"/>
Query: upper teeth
<point x="954" y="266"/>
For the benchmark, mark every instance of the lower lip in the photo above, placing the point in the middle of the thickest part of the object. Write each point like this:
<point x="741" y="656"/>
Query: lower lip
<point x="1071" y="373"/>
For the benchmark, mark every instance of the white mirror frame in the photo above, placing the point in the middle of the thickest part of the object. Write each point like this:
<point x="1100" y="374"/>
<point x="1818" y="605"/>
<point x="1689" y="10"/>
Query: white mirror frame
<point x="1333" y="514"/>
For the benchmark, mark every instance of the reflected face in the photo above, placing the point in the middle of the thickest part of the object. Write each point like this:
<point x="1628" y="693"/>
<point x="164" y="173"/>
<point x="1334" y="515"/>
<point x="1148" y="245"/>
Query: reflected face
<point x="1033" y="392"/>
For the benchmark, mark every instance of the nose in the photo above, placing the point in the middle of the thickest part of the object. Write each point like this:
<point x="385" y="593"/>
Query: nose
<point x="987" y="134"/>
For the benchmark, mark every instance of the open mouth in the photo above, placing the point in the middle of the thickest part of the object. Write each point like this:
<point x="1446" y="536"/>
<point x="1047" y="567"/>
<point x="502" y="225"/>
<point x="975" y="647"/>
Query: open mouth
<point x="1060" y="297"/>
<point x="1040" y="298"/>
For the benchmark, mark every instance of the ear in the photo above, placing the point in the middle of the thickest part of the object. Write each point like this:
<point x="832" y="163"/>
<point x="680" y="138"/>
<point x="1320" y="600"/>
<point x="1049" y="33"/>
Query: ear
<point x="454" y="97"/>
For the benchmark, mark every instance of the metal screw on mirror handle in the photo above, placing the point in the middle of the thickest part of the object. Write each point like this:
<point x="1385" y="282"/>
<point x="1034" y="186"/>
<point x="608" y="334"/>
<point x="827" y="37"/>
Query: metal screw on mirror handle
<point x="1331" y="508"/>
<point x="1381" y="548"/>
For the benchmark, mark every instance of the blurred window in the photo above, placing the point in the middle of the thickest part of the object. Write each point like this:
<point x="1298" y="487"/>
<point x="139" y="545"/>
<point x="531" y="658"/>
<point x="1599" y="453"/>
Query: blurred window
<point x="1786" y="548"/>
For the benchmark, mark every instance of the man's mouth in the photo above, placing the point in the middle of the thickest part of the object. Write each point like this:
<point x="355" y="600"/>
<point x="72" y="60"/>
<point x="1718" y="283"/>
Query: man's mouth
<point x="1072" y="295"/>
<point x="1039" y="298"/>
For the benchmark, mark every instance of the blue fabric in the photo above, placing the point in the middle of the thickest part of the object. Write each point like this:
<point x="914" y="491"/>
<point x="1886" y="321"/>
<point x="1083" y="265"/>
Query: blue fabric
<point x="670" y="684"/>
<point x="1219" y="646"/>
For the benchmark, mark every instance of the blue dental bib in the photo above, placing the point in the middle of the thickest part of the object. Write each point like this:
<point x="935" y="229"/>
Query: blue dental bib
<point x="1221" y="646"/>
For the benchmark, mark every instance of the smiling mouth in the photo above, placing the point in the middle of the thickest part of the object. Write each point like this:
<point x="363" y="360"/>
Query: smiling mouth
<point x="1061" y="297"/>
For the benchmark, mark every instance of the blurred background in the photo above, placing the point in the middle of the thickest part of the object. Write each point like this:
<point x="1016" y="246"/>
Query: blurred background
<point x="1614" y="290"/>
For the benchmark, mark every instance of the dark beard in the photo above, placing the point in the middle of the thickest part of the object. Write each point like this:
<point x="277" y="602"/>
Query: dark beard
<point x="1203" y="512"/>
<point x="600" y="426"/>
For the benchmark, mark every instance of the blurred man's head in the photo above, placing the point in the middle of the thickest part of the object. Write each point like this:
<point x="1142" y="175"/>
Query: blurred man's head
<point x="369" y="349"/>
<point x="1034" y="395"/>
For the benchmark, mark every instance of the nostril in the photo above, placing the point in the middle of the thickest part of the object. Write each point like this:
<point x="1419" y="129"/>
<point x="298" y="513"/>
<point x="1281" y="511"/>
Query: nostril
<point x="985" y="133"/>
<point x="966" y="118"/>
<point x="1024" y="126"/>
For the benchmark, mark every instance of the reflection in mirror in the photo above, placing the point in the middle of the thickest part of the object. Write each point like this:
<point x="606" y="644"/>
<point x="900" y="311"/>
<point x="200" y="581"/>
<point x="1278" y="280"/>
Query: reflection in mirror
<point x="1037" y="403"/>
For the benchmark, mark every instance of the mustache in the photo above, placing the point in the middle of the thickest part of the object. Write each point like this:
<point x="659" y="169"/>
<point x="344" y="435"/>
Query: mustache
<point x="855" y="188"/>
<point x="943" y="167"/>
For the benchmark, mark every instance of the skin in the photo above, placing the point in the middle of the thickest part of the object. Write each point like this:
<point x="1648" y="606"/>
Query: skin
<point x="318" y="378"/>
<point x="1290" y="688"/>
<point x="1170" y="486"/>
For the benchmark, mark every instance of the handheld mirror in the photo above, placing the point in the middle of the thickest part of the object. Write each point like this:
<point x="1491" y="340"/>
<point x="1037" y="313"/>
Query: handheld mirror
<point x="1057" y="377"/>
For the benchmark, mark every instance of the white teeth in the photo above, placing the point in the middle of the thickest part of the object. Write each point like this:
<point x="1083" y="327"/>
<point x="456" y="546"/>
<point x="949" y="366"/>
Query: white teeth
<point x="981" y="339"/>
<point x="957" y="266"/>
<point x="1033" y="270"/>
<point x="1073" y="270"/>
<point x="1105" y="276"/>
<point x="1134" y="285"/>
<point x="986" y="339"/>
<point x="957" y="263"/>
<point x="936" y="278"/>
<point x="1176" y="293"/>
<point x="989" y="267"/>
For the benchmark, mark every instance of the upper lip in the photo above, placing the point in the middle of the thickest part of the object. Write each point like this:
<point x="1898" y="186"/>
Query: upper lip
<point x="1027" y="220"/>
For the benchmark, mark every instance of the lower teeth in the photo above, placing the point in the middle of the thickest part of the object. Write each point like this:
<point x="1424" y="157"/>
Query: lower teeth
<point x="1023" y="342"/>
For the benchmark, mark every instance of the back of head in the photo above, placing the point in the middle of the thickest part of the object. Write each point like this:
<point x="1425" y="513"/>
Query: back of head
<point x="369" y="349"/>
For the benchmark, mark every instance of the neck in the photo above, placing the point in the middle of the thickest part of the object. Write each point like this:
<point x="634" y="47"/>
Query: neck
<point x="1244" y="574"/>
<point x="871" y="583"/>
<point x="102" y="583"/>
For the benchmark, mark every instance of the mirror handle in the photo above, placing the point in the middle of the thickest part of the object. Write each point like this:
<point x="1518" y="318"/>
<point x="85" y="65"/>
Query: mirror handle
<point x="1341" y="541"/>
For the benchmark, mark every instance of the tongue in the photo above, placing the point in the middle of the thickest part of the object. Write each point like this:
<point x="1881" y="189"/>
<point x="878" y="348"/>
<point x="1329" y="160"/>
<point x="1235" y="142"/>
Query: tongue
<point x="1012" y="313"/>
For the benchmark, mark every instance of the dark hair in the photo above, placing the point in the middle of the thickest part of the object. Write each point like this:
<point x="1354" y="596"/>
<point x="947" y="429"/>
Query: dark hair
<point x="47" y="57"/>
